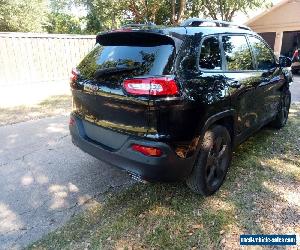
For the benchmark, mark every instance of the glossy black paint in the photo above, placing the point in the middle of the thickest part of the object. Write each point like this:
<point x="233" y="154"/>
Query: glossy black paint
<point x="168" y="167"/>
<point x="285" y="61"/>
<point x="242" y="101"/>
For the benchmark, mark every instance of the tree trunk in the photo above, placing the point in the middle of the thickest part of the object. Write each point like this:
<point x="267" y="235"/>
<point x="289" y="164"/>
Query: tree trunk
<point x="173" y="12"/>
<point x="113" y="21"/>
<point x="181" y="11"/>
<point x="221" y="9"/>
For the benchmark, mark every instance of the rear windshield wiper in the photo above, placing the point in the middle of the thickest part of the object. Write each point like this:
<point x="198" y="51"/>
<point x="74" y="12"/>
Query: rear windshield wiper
<point x="107" y="71"/>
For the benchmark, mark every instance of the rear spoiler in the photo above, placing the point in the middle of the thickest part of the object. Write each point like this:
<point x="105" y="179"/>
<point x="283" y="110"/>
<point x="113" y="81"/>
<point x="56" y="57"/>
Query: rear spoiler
<point x="129" y="37"/>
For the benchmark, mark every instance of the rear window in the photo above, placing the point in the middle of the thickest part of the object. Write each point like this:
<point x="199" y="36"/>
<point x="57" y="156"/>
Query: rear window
<point x="153" y="60"/>
<point x="139" y="59"/>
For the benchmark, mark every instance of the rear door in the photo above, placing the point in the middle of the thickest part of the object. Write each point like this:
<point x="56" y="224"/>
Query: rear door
<point x="98" y="93"/>
<point x="270" y="76"/>
<point x="241" y="78"/>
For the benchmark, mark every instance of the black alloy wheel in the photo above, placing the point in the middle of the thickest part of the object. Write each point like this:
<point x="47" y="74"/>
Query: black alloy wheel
<point x="217" y="160"/>
<point x="213" y="161"/>
<point x="282" y="116"/>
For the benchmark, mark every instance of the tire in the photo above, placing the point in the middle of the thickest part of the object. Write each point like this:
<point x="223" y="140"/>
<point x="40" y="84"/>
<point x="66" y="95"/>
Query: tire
<point x="212" y="163"/>
<point x="283" y="113"/>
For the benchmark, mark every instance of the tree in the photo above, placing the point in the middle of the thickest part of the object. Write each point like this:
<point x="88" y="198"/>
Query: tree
<point x="109" y="13"/>
<point x="225" y="9"/>
<point x="142" y="11"/>
<point x="23" y="15"/>
<point x="113" y="13"/>
<point x="93" y="24"/>
<point x="62" y="23"/>
<point x="55" y="16"/>
<point x="156" y="11"/>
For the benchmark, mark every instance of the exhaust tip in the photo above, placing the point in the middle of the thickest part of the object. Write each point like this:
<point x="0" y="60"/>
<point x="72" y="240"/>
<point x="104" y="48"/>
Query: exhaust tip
<point x="137" y="177"/>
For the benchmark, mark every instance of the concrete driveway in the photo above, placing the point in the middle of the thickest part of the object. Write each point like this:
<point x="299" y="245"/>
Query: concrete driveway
<point x="44" y="180"/>
<point x="295" y="89"/>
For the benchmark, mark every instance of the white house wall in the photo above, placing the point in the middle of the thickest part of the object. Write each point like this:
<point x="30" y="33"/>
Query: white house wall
<point x="285" y="17"/>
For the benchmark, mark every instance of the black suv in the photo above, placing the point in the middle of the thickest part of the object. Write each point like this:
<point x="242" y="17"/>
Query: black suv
<point x="171" y="103"/>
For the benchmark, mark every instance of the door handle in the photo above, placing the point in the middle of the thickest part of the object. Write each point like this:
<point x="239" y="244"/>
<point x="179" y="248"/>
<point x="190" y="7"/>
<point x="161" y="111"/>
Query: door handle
<point x="234" y="84"/>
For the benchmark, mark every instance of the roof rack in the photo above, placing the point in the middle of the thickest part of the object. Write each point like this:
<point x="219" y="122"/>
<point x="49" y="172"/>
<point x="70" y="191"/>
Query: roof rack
<point x="137" y="25"/>
<point x="196" y="22"/>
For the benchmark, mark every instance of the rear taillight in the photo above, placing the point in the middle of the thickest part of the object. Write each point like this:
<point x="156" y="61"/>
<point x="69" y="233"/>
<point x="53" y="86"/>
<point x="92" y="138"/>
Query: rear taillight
<point x="148" y="151"/>
<point x="158" y="86"/>
<point x="74" y="75"/>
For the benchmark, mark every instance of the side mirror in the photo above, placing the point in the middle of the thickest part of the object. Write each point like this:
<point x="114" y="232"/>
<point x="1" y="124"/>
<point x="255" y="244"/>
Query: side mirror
<point x="285" y="61"/>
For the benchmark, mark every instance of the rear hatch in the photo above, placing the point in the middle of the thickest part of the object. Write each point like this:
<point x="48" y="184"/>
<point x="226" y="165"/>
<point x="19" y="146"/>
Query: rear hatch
<point x="97" y="87"/>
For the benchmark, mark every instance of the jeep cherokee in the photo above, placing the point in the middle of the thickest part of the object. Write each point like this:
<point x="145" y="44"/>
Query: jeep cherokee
<point x="171" y="103"/>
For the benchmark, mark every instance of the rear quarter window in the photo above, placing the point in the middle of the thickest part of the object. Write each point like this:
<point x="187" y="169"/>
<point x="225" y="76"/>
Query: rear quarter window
<point x="210" y="54"/>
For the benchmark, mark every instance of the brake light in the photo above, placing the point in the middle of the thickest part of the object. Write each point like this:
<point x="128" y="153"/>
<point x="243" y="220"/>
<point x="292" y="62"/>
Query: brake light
<point x="148" y="151"/>
<point x="74" y="75"/>
<point x="155" y="86"/>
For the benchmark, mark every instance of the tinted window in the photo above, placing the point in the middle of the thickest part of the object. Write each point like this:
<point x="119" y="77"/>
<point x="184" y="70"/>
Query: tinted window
<point x="237" y="53"/>
<point x="210" y="54"/>
<point x="144" y="60"/>
<point x="264" y="56"/>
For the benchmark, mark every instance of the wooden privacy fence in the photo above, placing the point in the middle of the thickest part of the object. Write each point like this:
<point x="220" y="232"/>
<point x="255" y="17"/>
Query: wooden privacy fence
<point x="27" y="58"/>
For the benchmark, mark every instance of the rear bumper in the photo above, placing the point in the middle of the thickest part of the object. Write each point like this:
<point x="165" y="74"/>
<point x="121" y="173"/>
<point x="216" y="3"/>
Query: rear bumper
<point x="168" y="167"/>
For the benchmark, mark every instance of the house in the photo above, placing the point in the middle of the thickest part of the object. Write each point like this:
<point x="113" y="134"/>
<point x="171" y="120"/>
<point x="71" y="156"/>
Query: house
<point x="279" y="26"/>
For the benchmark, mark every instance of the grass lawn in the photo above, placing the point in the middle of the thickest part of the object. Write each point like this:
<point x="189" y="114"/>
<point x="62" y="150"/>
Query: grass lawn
<point x="260" y="195"/>
<point x="54" y="105"/>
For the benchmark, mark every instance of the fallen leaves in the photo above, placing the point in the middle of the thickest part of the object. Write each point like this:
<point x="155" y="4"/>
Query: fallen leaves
<point x="197" y="226"/>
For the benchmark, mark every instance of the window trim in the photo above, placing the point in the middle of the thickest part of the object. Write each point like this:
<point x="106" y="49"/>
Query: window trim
<point x="225" y="61"/>
<point x="199" y="53"/>
<point x="224" y="68"/>
<point x="269" y="48"/>
<point x="252" y="53"/>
